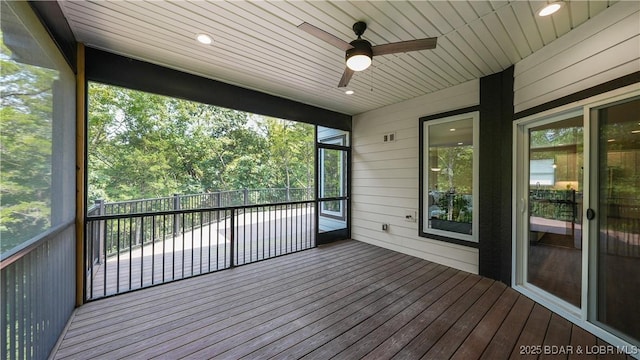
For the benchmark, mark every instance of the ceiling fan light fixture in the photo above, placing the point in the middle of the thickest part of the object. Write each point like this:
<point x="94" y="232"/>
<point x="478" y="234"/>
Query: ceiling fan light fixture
<point x="551" y="8"/>
<point x="359" y="57"/>
<point x="358" y="62"/>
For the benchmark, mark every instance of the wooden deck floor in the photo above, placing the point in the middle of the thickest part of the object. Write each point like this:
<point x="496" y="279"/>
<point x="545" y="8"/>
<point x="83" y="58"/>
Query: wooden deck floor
<point x="346" y="300"/>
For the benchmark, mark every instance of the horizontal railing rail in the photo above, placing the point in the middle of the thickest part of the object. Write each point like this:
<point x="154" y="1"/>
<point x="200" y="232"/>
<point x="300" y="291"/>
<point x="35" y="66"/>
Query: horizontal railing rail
<point x="126" y="252"/>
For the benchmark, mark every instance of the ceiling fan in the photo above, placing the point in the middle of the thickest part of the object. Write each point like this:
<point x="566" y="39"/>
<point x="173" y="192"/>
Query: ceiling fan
<point x="359" y="52"/>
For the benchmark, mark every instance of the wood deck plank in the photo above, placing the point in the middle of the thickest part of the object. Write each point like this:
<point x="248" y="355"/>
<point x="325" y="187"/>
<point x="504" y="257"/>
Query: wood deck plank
<point x="533" y="334"/>
<point x="475" y="344"/>
<point x="347" y="300"/>
<point x="556" y="340"/>
<point x="354" y="334"/>
<point x="359" y="293"/>
<point x="504" y="340"/>
<point x="220" y="308"/>
<point x="246" y="273"/>
<point x="225" y="295"/>
<point x="580" y="341"/>
<point x="451" y="341"/>
<point x="391" y="346"/>
<point x="333" y="319"/>
<point x="422" y="343"/>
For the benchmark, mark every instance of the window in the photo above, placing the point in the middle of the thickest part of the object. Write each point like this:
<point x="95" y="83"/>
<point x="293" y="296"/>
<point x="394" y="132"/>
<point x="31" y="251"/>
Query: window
<point x="450" y="177"/>
<point x="37" y="115"/>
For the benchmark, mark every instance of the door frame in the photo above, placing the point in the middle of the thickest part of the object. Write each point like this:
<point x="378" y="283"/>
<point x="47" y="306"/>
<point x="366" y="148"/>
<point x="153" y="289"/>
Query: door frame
<point x="339" y="234"/>
<point x="580" y="316"/>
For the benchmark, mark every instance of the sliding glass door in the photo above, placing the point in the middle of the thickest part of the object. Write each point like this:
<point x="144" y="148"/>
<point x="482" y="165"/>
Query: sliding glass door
<point x="577" y="213"/>
<point x="554" y="195"/>
<point x="615" y="260"/>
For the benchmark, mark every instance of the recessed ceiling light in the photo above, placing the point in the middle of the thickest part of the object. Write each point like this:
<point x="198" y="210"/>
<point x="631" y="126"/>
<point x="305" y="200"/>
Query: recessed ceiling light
<point x="435" y="169"/>
<point x="611" y="140"/>
<point x="452" y="129"/>
<point x="635" y="131"/>
<point x="550" y="8"/>
<point x="460" y="143"/>
<point x="349" y="92"/>
<point x="204" y="39"/>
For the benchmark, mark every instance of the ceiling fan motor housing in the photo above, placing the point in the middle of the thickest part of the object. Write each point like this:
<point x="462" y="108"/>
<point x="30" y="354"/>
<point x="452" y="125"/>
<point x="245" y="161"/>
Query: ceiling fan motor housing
<point x="360" y="47"/>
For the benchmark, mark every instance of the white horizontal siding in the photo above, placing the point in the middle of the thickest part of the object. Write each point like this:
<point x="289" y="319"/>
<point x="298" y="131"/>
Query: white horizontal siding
<point x="605" y="48"/>
<point x="385" y="176"/>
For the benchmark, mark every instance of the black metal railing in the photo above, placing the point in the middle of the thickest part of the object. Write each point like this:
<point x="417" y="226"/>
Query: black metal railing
<point x="131" y="251"/>
<point x="217" y="199"/>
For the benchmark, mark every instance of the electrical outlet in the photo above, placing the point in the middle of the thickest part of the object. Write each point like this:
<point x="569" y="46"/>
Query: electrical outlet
<point x="410" y="215"/>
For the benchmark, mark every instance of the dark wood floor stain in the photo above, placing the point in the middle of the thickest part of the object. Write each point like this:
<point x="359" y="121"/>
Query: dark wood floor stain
<point x="346" y="300"/>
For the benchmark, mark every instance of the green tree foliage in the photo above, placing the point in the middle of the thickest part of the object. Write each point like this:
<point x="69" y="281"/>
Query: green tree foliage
<point x="26" y="100"/>
<point x="143" y="145"/>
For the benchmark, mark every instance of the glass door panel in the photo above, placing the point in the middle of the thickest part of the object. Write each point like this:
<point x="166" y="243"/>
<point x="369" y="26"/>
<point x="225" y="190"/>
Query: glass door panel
<point x="618" y="218"/>
<point x="554" y="260"/>
<point x="332" y="190"/>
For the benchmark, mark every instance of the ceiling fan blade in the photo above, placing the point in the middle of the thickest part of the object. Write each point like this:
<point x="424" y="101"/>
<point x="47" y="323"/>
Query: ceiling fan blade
<point x="323" y="35"/>
<point x="404" y="46"/>
<point x="346" y="76"/>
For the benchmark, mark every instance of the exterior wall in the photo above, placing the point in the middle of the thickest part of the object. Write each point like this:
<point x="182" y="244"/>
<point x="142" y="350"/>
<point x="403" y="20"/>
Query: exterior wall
<point x="385" y="176"/>
<point x="606" y="47"/>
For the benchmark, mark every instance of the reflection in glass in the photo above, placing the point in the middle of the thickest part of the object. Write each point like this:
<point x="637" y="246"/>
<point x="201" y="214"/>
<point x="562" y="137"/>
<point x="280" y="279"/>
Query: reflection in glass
<point x="555" y="203"/>
<point x="618" y="216"/>
<point x="450" y="176"/>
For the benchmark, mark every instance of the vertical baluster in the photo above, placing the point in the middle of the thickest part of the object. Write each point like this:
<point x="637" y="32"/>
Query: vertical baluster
<point x="130" y="249"/>
<point x="250" y="233"/>
<point x="104" y="262"/>
<point x="233" y="238"/>
<point x="182" y="241"/>
<point x="91" y="263"/>
<point x="280" y="228"/>
<point x="118" y="259"/>
<point x="201" y="234"/>
<point x="164" y="240"/>
<point x="153" y="249"/>
<point x="141" y="251"/>
<point x="192" y="243"/>
<point x="269" y="210"/>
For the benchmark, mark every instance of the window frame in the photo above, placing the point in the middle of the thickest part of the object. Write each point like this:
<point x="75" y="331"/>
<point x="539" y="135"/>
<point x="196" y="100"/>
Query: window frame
<point x="425" y="123"/>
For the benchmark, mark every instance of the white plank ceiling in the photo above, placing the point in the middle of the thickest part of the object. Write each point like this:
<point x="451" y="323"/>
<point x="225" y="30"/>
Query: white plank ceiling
<point x="257" y="44"/>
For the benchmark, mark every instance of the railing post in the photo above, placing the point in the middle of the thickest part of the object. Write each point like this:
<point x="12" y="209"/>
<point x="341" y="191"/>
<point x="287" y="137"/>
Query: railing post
<point x="233" y="238"/>
<point x="102" y="231"/>
<point x="288" y="194"/>
<point x="218" y="201"/>
<point x="176" y="217"/>
<point x="246" y="196"/>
